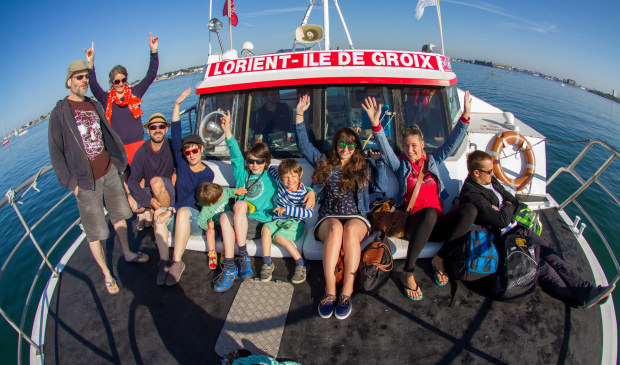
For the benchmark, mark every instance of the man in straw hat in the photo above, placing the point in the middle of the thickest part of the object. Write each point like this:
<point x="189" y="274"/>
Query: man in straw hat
<point x="151" y="182"/>
<point x="87" y="155"/>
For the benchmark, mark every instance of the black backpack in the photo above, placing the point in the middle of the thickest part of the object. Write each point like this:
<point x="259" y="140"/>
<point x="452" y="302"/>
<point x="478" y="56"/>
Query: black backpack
<point x="474" y="256"/>
<point x="517" y="275"/>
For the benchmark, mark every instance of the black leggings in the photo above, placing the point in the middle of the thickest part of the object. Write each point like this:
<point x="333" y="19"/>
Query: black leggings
<point x="424" y="225"/>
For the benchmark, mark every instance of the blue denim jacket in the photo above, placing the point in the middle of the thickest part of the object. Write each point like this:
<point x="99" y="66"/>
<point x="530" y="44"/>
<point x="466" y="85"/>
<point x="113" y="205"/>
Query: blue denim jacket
<point x="313" y="155"/>
<point x="402" y="166"/>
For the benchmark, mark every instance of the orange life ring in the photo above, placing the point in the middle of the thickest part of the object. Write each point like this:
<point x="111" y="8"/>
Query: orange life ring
<point x="513" y="138"/>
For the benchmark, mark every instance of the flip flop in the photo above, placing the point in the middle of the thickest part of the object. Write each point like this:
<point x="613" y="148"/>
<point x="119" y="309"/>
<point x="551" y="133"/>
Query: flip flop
<point x="405" y="288"/>
<point x="440" y="274"/>
<point x="140" y="258"/>
<point x="112" y="287"/>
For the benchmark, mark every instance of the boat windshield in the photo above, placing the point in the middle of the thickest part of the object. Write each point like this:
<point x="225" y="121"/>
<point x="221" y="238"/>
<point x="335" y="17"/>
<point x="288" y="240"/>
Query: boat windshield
<point x="268" y="115"/>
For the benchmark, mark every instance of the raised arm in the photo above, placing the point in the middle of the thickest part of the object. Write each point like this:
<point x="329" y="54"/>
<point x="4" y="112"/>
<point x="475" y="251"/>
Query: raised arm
<point x="310" y="153"/>
<point x="457" y="134"/>
<point x="176" y="132"/>
<point x="387" y="153"/>
<point x="140" y="89"/>
<point x="236" y="157"/>
<point x="98" y="92"/>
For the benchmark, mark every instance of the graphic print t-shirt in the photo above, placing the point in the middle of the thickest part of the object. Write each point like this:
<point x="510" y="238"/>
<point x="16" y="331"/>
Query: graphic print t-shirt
<point x="88" y="123"/>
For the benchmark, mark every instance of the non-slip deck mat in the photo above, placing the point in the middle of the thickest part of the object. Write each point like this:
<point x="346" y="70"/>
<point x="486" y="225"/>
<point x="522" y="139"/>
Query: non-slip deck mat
<point x="256" y="318"/>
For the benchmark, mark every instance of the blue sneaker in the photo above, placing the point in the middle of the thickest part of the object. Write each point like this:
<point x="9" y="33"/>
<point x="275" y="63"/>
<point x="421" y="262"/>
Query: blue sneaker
<point x="225" y="280"/>
<point x="343" y="308"/>
<point x="326" y="306"/>
<point x="245" y="267"/>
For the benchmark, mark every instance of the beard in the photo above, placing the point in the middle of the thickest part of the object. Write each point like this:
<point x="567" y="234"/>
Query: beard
<point x="77" y="90"/>
<point x="158" y="138"/>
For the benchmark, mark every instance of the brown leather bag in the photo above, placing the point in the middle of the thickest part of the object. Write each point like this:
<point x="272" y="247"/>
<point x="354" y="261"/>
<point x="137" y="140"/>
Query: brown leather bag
<point x="394" y="223"/>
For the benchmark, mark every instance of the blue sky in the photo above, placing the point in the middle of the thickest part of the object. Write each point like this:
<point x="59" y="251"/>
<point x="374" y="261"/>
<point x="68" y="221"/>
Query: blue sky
<point x="38" y="39"/>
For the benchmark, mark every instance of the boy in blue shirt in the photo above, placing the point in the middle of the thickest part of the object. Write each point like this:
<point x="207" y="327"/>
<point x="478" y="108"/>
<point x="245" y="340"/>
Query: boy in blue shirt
<point x="287" y="225"/>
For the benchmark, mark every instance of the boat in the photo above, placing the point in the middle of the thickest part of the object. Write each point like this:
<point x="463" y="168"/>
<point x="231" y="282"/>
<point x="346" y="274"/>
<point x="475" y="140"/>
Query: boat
<point x="22" y="132"/>
<point x="73" y="320"/>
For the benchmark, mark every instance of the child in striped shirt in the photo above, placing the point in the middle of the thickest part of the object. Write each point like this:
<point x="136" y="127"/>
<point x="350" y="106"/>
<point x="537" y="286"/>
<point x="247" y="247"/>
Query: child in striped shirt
<point x="288" y="216"/>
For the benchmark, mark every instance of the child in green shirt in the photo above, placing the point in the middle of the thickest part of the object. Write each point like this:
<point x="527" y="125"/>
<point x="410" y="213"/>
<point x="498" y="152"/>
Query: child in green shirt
<point x="246" y="219"/>
<point x="214" y="200"/>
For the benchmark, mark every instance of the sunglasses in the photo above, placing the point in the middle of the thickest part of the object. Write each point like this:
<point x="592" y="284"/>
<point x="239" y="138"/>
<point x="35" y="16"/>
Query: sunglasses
<point x="344" y="144"/>
<point x="191" y="152"/>
<point x="118" y="81"/>
<point x="411" y="130"/>
<point x="259" y="161"/>
<point x="80" y="77"/>
<point x="489" y="172"/>
<point x="157" y="126"/>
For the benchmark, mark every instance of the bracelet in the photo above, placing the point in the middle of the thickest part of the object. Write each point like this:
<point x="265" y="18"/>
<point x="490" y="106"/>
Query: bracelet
<point x="301" y="115"/>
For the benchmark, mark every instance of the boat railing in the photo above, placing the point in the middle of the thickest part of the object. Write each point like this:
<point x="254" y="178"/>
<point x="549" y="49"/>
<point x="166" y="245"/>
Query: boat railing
<point x="585" y="184"/>
<point x="13" y="197"/>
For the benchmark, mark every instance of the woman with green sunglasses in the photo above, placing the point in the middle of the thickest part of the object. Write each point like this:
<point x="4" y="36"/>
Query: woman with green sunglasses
<point x="345" y="178"/>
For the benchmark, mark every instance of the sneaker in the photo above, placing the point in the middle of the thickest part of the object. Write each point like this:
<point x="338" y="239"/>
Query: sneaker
<point x="300" y="275"/>
<point x="326" y="306"/>
<point x="174" y="273"/>
<point x="245" y="267"/>
<point x="212" y="260"/>
<point x="343" y="308"/>
<point x="162" y="272"/>
<point x="266" y="271"/>
<point x="225" y="280"/>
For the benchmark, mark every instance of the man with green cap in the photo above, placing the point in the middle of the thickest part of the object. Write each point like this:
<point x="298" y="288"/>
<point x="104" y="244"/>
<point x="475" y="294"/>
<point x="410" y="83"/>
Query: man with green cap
<point x="87" y="155"/>
<point x="151" y="182"/>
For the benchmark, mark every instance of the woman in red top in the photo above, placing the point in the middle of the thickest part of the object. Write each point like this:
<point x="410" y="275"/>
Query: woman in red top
<point x="426" y="220"/>
<point x="122" y="103"/>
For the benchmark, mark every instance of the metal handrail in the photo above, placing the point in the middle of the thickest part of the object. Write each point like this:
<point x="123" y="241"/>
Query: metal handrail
<point x="584" y="184"/>
<point x="13" y="198"/>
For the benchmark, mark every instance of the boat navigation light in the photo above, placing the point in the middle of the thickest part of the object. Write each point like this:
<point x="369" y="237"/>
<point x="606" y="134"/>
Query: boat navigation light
<point x="215" y="25"/>
<point x="248" y="47"/>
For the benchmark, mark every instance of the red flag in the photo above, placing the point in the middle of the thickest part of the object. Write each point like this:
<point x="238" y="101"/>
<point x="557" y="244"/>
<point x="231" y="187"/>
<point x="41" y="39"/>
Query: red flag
<point x="233" y="18"/>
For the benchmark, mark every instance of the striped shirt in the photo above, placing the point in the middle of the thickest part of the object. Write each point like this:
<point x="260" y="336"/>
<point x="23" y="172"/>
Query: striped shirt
<point x="291" y="200"/>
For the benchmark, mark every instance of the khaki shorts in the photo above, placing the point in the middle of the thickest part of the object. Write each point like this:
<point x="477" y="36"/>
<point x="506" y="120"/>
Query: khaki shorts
<point x="108" y="189"/>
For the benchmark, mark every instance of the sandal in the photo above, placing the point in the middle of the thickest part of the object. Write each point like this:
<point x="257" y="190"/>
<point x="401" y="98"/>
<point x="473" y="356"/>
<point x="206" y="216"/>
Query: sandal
<point x="212" y="260"/>
<point x="140" y="258"/>
<point x="440" y="275"/>
<point x="112" y="287"/>
<point x="416" y="290"/>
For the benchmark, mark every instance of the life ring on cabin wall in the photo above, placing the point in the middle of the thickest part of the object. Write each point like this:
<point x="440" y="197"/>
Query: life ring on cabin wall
<point x="513" y="138"/>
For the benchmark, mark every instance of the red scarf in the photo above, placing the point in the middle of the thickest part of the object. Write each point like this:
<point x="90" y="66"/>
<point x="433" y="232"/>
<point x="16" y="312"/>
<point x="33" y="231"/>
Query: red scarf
<point x="130" y="100"/>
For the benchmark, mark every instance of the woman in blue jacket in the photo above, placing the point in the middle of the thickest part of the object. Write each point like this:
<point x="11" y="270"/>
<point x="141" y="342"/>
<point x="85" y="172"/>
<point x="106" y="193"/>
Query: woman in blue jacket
<point x="344" y="177"/>
<point x="426" y="220"/>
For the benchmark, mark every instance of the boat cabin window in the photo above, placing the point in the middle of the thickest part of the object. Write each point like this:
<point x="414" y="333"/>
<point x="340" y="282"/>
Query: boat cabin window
<point x="425" y="108"/>
<point x="268" y="116"/>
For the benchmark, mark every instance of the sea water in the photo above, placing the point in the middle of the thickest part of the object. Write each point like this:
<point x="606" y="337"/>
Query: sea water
<point x="559" y="113"/>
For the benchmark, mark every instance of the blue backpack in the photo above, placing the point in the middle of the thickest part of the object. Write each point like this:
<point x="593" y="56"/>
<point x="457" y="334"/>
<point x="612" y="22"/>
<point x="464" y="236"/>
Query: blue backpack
<point x="474" y="256"/>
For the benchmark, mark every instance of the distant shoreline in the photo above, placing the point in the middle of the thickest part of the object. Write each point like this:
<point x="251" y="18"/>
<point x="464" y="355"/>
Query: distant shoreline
<point x="568" y="82"/>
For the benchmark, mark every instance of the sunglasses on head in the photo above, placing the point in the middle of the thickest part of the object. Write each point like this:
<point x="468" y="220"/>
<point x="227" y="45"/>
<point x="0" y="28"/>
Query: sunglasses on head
<point x="118" y="81"/>
<point x="80" y="77"/>
<point x="191" y="152"/>
<point x="153" y="127"/>
<point x="258" y="161"/>
<point x="351" y="146"/>
<point x="411" y="130"/>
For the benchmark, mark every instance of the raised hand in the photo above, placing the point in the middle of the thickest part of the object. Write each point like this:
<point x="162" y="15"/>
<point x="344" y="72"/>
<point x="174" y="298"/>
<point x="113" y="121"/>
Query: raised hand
<point x="302" y="106"/>
<point x="466" y="105"/>
<point x="225" y="120"/>
<point x="183" y="96"/>
<point x="153" y="43"/>
<point x="374" y="155"/>
<point x="90" y="55"/>
<point x="373" y="110"/>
